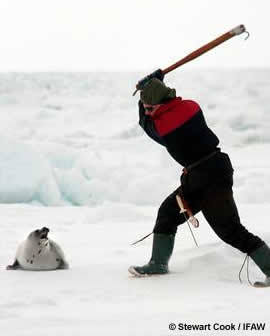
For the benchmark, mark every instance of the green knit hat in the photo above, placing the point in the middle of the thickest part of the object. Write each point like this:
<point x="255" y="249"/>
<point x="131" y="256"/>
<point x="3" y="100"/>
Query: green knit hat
<point x="155" y="92"/>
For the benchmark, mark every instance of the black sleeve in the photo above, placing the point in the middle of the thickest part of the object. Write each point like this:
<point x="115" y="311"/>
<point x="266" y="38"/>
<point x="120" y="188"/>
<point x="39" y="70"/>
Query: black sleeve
<point x="148" y="125"/>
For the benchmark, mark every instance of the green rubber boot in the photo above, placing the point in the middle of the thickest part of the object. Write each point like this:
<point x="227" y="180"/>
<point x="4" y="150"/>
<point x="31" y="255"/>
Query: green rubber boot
<point x="261" y="257"/>
<point x="161" y="252"/>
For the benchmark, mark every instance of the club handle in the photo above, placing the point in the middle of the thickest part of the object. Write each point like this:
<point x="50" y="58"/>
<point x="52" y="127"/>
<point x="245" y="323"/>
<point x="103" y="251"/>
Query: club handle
<point x="221" y="39"/>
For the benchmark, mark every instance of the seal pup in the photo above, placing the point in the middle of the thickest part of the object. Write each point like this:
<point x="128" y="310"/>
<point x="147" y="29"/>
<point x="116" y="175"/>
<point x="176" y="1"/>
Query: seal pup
<point x="39" y="253"/>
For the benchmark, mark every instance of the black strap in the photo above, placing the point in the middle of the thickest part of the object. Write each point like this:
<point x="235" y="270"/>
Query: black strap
<point x="239" y="275"/>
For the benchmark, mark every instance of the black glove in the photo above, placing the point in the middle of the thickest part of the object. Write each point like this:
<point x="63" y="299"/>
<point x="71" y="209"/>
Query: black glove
<point x="156" y="74"/>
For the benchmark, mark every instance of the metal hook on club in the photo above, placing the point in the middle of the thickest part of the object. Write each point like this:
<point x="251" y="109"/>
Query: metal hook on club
<point x="248" y="34"/>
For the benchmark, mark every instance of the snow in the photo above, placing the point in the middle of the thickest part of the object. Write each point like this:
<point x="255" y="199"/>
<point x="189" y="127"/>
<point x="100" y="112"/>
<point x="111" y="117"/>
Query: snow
<point x="73" y="158"/>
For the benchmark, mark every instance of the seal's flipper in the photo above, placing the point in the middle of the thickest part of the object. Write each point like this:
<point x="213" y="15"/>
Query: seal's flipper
<point x="63" y="264"/>
<point x="14" y="266"/>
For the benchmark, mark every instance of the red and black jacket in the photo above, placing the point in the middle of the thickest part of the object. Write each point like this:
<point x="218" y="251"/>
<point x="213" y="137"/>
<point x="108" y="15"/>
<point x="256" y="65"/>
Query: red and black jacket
<point x="179" y="125"/>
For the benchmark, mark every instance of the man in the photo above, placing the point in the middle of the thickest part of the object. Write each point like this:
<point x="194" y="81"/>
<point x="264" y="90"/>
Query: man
<point x="206" y="181"/>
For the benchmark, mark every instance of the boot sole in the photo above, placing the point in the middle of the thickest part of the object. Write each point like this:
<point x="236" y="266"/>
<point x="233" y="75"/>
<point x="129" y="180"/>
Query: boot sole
<point x="259" y="284"/>
<point x="132" y="271"/>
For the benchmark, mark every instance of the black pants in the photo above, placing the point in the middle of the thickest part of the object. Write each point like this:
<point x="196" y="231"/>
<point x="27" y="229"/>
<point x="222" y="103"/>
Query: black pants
<point x="208" y="188"/>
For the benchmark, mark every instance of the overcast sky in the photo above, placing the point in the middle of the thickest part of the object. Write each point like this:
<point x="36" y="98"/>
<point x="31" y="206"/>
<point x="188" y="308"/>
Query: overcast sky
<point x="88" y="35"/>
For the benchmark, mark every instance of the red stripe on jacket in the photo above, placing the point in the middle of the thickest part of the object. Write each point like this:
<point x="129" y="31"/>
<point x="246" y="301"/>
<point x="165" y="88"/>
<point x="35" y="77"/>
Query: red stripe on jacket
<point x="172" y="115"/>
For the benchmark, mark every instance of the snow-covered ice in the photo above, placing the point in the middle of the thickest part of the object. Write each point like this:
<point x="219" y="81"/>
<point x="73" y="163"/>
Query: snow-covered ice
<point x="73" y="158"/>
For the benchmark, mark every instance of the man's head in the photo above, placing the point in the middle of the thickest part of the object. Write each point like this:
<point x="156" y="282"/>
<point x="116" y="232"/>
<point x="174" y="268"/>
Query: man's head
<point x="156" y="92"/>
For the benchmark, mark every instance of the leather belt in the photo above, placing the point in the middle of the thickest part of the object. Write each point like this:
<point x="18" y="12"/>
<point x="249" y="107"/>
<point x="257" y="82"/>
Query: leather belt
<point x="197" y="163"/>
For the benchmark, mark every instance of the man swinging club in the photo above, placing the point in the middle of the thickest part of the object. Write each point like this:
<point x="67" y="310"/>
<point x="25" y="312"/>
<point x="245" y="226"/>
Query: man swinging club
<point x="206" y="180"/>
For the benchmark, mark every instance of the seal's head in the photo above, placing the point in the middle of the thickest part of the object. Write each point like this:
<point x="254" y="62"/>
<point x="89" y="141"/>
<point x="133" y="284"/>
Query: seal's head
<point x="40" y="235"/>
